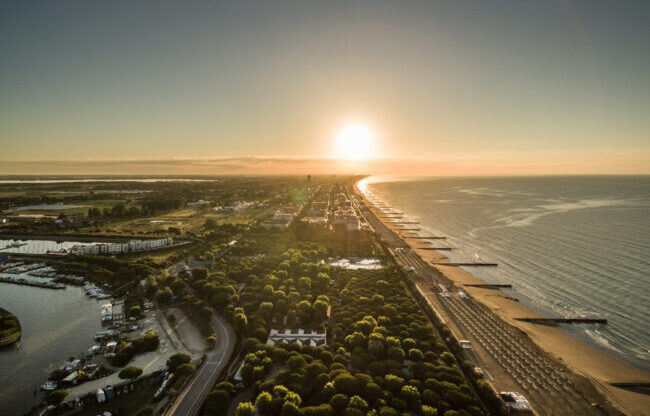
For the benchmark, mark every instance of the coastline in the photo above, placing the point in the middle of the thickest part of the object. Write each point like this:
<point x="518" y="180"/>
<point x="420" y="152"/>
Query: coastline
<point x="596" y="366"/>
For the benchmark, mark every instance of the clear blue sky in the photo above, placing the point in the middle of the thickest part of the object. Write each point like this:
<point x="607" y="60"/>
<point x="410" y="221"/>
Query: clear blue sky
<point x="511" y="81"/>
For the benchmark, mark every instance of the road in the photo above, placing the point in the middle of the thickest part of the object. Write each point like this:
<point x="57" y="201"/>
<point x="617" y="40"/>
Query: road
<point x="190" y="400"/>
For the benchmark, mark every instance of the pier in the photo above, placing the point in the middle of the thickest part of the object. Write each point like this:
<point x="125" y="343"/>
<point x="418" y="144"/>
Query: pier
<point x="466" y="264"/>
<point x="435" y="248"/>
<point x="429" y="237"/>
<point x="407" y="229"/>
<point x="403" y="222"/>
<point x="554" y="321"/>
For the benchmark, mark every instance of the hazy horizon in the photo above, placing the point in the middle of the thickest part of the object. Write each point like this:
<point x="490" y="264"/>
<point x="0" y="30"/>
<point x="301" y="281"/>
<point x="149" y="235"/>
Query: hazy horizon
<point x="438" y="88"/>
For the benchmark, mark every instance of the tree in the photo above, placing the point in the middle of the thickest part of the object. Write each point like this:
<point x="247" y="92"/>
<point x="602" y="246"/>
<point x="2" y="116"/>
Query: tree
<point x="410" y="394"/>
<point x="56" y="397"/>
<point x="130" y="372"/>
<point x="217" y="402"/>
<point x="415" y="355"/>
<point x="429" y="411"/>
<point x="164" y="296"/>
<point x="345" y="383"/>
<point x="264" y="403"/>
<point x="447" y="358"/>
<point x="151" y="340"/>
<point x="289" y="409"/>
<point x="240" y="322"/>
<point x="393" y="383"/>
<point x="206" y="313"/>
<point x="358" y="403"/>
<point x="184" y="370"/>
<point x="320" y="310"/>
<point x="339" y="402"/>
<point x="135" y="311"/>
<point x="266" y="310"/>
<point x="177" y="359"/>
<point x="388" y="411"/>
<point x="245" y="409"/>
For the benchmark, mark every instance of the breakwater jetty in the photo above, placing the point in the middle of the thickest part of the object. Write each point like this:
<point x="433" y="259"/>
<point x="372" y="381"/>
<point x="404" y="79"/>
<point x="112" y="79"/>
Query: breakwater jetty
<point x="489" y="286"/>
<point x="553" y="321"/>
<point x="466" y="264"/>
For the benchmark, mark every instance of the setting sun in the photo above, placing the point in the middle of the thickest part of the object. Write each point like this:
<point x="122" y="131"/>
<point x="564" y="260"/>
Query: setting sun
<point x="354" y="141"/>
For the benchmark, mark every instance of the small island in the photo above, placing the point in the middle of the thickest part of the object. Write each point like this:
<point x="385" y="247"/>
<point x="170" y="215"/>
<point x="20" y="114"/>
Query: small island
<point x="9" y="328"/>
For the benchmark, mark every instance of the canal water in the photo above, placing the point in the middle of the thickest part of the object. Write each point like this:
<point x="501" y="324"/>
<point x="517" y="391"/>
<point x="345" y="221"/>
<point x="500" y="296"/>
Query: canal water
<point x="55" y="325"/>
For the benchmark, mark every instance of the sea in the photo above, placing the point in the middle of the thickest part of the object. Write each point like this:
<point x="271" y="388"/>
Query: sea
<point x="571" y="246"/>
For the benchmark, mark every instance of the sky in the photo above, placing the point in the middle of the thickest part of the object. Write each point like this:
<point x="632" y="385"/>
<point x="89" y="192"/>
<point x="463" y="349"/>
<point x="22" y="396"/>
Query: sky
<point x="447" y="88"/>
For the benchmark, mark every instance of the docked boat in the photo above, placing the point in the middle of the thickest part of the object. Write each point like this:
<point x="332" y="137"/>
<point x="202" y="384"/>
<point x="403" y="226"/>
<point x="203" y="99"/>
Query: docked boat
<point x="107" y="313"/>
<point x="49" y="385"/>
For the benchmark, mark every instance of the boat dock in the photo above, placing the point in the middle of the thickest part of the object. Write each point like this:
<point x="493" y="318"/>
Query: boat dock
<point x="554" y="321"/>
<point x="25" y="282"/>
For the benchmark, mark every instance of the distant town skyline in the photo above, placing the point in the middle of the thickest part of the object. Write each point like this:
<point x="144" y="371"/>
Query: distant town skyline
<point x="446" y="88"/>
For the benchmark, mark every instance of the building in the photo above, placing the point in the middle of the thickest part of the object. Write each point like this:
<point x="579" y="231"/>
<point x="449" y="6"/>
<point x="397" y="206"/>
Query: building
<point x="299" y="336"/>
<point x="121" y="248"/>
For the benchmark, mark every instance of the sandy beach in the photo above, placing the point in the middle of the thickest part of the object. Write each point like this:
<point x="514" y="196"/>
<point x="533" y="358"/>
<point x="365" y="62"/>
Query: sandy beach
<point x="596" y="366"/>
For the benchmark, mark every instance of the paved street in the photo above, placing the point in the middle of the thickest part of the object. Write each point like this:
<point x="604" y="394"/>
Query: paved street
<point x="189" y="401"/>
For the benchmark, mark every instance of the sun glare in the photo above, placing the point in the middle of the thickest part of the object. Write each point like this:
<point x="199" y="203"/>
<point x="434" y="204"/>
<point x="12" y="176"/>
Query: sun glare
<point x="354" y="141"/>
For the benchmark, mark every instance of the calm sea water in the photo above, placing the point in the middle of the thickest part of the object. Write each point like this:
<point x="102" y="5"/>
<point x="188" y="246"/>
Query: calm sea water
<point x="55" y="324"/>
<point x="570" y="246"/>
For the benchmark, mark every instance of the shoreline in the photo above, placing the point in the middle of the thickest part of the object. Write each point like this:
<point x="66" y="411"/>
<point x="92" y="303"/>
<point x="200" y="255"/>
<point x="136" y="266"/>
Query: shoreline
<point x="598" y="367"/>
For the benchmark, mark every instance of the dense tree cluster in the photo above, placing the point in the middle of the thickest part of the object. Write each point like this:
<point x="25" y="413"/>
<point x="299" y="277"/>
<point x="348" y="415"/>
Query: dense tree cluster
<point x="9" y="326"/>
<point x="125" y="351"/>
<point x="385" y="359"/>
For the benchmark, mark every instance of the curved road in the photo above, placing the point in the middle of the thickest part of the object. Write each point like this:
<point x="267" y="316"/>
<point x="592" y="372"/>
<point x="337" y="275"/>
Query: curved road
<point x="189" y="401"/>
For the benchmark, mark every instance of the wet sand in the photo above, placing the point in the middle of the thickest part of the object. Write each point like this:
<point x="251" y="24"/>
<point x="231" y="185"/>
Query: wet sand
<point x="598" y="367"/>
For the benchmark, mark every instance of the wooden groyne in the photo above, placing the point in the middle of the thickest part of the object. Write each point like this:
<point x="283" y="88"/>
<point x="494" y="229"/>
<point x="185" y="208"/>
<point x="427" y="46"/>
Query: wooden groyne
<point x="466" y="264"/>
<point x="489" y="286"/>
<point x="564" y="320"/>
